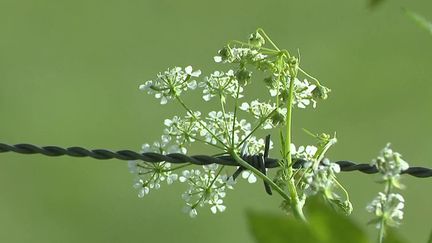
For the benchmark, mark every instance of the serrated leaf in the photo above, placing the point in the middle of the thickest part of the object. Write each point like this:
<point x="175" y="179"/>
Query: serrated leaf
<point x="268" y="228"/>
<point x="420" y="21"/>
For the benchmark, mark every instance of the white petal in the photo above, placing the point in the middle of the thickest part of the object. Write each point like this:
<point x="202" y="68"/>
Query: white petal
<point x="163" y="100"/>
<point x="244" y="106"/>
<point x="188" y="70"/>
<point x="207" y="97"/>
<point x="217" y="59"/>
<point x="192" y="84"/>
<point x="221" y="208"/>
<point x="245" y="174"/>
<point x="196" y="73"/>
<point x="273" y="92"/>
<point x="252" y="178"/>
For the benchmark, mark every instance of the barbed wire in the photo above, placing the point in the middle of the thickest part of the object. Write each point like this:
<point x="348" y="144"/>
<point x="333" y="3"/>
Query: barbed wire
<point x="177" y="158"/>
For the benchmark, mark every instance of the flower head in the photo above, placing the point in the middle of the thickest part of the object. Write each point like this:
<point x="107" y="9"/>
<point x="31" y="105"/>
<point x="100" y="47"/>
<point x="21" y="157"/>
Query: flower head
<point x="171" y="83"/>
<point x="387" y="209"/>
<point x="221" y="84"/>
<point x="206" y="187"/>
<point x="390" y="164"/>
<point x="303" y="93"/>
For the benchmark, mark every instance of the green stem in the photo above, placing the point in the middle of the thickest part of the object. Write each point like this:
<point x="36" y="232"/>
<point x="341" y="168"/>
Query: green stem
<point x="226" y="132"/>
<point x="295" y="202"/>
<point x="268" y="38"/>
<point x="252" y="46"/>
<point x="387" y="190"/>
<point x="309" y="76"/>
<point x="235" y="116"/>
<point x="258" y="126"/>
<point x="200" y="122"/>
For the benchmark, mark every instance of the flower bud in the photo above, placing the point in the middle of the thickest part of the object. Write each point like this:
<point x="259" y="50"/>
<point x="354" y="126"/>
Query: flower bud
<point x="256" y="40"/>
<point x="225" y="53"/>
<point x="321" y="92"/>
<point x="243" y="76"/>
<point x="277" y="118"/>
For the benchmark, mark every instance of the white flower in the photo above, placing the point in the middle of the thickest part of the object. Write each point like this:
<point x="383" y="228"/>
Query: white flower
<point x="390" y="163"/>
<point x="183" y="131"/>
<point x="171" y="178"/>
<point x="387" y="209"/>
<point x="150" y="175"/>
<point x="189" y="72"/>
<point x="205" y="188"/>
<point x="262" y="111"/>
<point x="220" y="84"/>
<point x="217" y="59"/>
<point x="217" y="206"/>
<point x="192" y="212"/>
<point x="249" y="176"/>
<point x="307" y="153"/>
<point x="143" y="191"/>
<point x="303" y="95"/>
<point x="171" y="83"/>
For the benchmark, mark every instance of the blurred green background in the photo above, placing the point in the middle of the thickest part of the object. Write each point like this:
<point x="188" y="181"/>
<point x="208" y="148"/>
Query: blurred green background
<point x="69" y="75"/>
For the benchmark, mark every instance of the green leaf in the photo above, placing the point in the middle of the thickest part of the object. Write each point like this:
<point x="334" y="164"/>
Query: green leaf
<point x="268" y="228"/>
<point x="420" y="21"/>
<point x="325" y="226"/>
<point x="332" y="227"/>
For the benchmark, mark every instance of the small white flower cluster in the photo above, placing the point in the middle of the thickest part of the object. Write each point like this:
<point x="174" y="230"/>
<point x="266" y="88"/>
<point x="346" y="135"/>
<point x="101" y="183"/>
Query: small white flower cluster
<point x="184" y="131"/>
<point x="321" y="179"/>
<point x="305" y="153"/>
<point x="239" y="54"/>
<point x="150" y="175"/>
<point x="221" y="84"/>
<point x="387" y="209"/>
<point x="303" y="93"/>
<point x="171" y="83"/>
<point x="390" y="164"/>
<point x="265" y="113"/>
<point x="224" y="129"/>
<point x="205" y="188"/>
<point x="219" y="127"/>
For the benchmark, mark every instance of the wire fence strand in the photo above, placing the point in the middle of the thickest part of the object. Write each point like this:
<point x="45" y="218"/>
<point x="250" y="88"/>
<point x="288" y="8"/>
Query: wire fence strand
<point x="176" y="158"/>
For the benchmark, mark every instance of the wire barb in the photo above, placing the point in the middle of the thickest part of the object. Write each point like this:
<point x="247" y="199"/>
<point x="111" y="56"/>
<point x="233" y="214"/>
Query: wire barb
<point x="176" y="158"/>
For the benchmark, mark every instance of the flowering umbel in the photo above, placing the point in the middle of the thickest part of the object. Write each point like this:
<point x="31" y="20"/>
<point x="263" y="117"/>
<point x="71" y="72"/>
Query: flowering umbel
<point x="234" y="131"/>
<point x="388" y="205"/>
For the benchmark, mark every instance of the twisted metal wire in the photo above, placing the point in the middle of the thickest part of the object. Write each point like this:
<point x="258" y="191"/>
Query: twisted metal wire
<point x="176" y="158"/>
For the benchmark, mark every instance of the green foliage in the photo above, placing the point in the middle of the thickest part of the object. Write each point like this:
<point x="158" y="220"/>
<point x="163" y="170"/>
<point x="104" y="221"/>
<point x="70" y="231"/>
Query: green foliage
<point x="420" y="21"/>
<point x="430" y="238"/>
<point x="279" y="228"/>
<point x="324" y="226"/>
